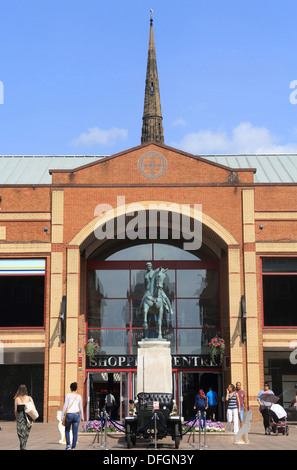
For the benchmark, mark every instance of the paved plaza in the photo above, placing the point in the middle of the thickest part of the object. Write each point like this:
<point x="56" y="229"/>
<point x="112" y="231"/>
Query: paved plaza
<point x="45" y="436"/>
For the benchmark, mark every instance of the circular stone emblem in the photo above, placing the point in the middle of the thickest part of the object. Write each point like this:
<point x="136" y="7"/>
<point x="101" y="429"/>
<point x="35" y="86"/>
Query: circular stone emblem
<point x="152" y="165"/>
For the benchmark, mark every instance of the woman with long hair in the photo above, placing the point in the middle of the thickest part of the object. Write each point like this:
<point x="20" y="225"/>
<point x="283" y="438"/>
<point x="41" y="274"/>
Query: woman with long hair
<point x="233" y="407"/>
<point x="24" y="422"/>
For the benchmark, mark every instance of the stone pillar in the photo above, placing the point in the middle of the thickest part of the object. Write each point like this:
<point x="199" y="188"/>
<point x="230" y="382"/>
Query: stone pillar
<point x="72" y="309"/>
<point x="154" y="367"/>
<point x="250" y="288"/>
<point x="55" y="355"/>
<point x="234" y="272"/>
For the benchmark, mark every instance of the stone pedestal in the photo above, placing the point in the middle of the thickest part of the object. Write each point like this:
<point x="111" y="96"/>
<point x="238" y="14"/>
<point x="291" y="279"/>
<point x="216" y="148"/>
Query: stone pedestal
<point x="154" y="367"/>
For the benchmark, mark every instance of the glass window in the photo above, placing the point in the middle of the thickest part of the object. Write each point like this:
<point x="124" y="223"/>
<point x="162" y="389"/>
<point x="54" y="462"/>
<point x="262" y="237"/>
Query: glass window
<point x="279" y="300"/>
<point x="137" y="315"/>
<point x="197" y="283"/>
<point x="115" y="314"/>
<point x="279" y="265"/>
<point x="22" y="301"/>
<point x="197" y="313"/>
<point x="170" y="252"/>
<point x="137" y="335"/>
<point x="194" y="341"/>
<point x="137" y="283"/>
<point x="141" y="252"/>
<point x="109" y="283"/>
<point x="106" y="313"/>
<point x="111" y="342"/>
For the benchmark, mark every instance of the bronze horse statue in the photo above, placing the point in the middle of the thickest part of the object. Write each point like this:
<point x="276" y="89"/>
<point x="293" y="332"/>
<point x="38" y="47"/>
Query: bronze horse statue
<point x="154" y="298"/>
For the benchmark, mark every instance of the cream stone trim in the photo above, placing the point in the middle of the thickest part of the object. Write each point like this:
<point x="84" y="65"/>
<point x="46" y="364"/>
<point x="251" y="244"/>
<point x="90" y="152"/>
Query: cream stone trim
<point x="73" y="303"/>
<point x="250" y="289"/>
<point x="25" y="216"/>
<point x="54" y="381"/>
<point x="289" y="335"/>
<point x="2" y="233"/>
<point x="279" y="339"/>
<point x="234" y="313"/>
<point x="275" y="247"/>
<point x="56" y="262"/>
<point x="24" y="346"/>
<point x="248" y="206"/>
<point x="207" y="221"/>
<point x="25" y="248"/>
<point x="57" y="216"/>
<point x="54" y="403"/>
<point x="58" y="207"/>
<point x="55" y="348"/>
<point x="275" y="215"/>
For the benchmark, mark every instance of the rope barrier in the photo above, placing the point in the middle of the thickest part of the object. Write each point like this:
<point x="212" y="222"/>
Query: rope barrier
<point x="119" y="427"/>
<point x="133" y="433"/>
<point x="167" y="430"/>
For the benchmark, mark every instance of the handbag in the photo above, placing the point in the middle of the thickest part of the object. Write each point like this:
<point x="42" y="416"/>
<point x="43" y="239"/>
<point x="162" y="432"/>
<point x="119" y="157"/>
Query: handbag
<point x="64" y="418"/>
<point x="31" y="411"/>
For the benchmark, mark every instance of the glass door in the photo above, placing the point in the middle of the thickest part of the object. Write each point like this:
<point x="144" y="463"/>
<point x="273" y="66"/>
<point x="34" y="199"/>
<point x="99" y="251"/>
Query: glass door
<point x="124" y="398"/>
<point x="119" y="384"/>
<point x="188" y="388"/>
<point x="189" y="383"/>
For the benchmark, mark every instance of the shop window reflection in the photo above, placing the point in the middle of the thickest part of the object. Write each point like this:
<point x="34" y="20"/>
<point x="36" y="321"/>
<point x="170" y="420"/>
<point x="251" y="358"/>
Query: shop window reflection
<point x="109" y="283"/>
<point x="108" y="313"/>
<point x="115" y="295"/>
<point x="112" y="342"/>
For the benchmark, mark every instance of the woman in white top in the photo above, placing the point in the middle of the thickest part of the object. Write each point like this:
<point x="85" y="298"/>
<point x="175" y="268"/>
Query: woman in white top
<point x="74" y="412"/>
<point x="24" y="422"/>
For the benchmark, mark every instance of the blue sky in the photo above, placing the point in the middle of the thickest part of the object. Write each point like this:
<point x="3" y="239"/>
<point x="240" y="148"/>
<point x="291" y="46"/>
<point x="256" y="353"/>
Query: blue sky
<point x="73" y="75"/>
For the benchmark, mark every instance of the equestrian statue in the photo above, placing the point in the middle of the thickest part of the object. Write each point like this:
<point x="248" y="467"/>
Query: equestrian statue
<point x="154" y="297"/>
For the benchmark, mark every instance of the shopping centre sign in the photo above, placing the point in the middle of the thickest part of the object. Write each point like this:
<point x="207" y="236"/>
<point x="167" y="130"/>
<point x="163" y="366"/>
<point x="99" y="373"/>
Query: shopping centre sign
<point x="186" y="361"/>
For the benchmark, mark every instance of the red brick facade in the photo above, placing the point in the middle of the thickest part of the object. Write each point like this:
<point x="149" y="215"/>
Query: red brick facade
<point x="57" y="221"/>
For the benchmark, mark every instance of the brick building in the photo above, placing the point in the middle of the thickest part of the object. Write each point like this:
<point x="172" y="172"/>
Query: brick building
<point x="73" y="255"/>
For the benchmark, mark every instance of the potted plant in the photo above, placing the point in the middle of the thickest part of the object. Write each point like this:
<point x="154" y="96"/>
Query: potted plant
<point x="91" y="347"/>
<point x="217" y="348"/>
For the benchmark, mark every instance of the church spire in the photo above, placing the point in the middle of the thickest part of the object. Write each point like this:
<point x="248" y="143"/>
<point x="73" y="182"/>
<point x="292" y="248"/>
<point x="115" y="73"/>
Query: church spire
<point x="152" y="128"/>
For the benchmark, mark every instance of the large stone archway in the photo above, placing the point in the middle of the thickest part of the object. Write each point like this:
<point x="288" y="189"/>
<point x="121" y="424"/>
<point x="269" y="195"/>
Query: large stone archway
<point x="214" y="235"/>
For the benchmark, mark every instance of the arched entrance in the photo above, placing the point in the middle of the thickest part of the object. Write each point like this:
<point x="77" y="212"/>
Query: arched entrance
<point x="115" y="320"/>
<point x="113" y="287"/>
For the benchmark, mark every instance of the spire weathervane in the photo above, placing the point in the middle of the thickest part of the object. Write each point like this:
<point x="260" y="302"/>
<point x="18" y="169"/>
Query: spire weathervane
<point x="152" y="128"/>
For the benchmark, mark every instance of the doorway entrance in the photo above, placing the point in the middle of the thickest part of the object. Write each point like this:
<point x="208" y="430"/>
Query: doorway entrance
<point x="102" y="383"/>
<point x="189" y="385"/>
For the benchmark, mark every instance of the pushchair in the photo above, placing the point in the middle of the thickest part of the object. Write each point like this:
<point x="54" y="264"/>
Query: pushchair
<point x="277" y="420"/>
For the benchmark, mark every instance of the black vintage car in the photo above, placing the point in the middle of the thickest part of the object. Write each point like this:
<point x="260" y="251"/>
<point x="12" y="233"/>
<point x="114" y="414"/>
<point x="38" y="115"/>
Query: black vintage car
<point x="154" y="419"/>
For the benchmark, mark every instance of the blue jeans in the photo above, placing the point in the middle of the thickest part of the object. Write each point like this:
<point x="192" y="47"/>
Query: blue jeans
<point x="241" y="414"/>
<point x="72" y="419"/>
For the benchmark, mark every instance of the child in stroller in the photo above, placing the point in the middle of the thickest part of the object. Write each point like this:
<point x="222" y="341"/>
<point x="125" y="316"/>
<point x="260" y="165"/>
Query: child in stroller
<point x="278" y="420"/>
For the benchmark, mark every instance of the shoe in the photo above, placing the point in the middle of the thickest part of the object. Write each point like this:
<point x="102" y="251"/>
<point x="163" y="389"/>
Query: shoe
<point x="68" y="448"/>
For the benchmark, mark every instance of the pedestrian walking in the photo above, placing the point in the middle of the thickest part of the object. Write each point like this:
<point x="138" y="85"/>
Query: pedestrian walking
<point x="109" y="403"/>
<point x="24" y="422"/>
<point x="73" y="413"/>
<point x="262" y="408"/>
<point x="212" y="404"/>
<point x="200" y="401"/>
<point x="242" y="401"/>
<point x="233" y="406"/>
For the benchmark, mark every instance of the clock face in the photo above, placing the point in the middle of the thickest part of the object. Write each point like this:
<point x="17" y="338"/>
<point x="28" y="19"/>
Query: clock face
<point x="152" y="165"/>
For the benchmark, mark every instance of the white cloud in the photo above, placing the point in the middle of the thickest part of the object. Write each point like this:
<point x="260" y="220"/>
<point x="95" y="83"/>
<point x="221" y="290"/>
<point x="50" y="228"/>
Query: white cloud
<point x="97" y="136"/>
<point x="244" y="138"/>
